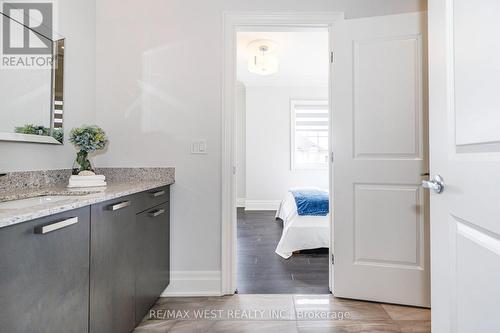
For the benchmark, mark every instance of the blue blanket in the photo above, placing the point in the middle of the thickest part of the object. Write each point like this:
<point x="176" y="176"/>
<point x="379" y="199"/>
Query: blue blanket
<point x="311" y="202"/>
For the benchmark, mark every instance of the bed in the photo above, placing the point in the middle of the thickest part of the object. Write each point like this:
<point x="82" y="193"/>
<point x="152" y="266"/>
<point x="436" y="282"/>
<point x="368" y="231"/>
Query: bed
<point x="300" y="232"/>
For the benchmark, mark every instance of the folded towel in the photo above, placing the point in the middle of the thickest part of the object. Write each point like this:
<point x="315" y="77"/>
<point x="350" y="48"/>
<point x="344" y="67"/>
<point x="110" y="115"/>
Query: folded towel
<point x="87" y="181"/>
<point x="89" y="184"/>
<point x="87" y="178"/>
<point x="311" y="202"/>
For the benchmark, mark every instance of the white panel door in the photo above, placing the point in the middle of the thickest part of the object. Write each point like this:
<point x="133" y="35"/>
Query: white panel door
<point x="464" y="57"/>
<point x="381" y="229"/>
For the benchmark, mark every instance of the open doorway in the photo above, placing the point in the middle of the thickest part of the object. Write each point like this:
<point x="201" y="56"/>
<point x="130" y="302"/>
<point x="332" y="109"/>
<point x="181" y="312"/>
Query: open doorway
<point x="282" y="161"/>
<point x="378" y="141"/>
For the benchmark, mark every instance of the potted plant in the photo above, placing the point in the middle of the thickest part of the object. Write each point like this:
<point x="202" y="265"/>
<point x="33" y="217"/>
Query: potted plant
<point x="87" y="139"/>
<point x="57" y="133"/>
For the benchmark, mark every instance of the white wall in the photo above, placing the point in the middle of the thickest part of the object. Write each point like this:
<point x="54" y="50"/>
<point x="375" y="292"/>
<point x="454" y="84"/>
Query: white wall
<point x="159" y="86"/>
<point x="268" y="147"/>
<point x="77" y="23"/>
<point x="241" y="104"/>
<point x="25" y="98"/>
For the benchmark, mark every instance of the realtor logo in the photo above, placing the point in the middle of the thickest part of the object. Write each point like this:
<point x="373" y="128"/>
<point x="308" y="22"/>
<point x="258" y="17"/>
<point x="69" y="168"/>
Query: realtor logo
<point x="27" y="27"/>
<point x="27" y="34"/>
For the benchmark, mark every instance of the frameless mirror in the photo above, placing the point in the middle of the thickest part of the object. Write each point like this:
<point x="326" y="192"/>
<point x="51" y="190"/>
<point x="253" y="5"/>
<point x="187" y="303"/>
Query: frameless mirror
<point x="31" y="84"/>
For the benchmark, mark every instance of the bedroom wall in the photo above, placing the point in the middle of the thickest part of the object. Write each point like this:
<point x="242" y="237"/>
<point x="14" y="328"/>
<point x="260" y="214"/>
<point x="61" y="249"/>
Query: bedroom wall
<point x="159" y="86"/>
<point x="241" y="143"/>
<point x="77" y="23"/>
<point x="268" y="146"/>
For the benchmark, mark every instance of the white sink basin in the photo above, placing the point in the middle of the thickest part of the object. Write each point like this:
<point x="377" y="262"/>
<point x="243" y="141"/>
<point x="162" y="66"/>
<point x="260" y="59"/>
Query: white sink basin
<point x="37" y="201"/>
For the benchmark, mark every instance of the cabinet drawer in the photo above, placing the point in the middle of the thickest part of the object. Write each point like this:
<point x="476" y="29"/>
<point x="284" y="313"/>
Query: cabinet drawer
<point x="44" y="274"/>
<point x="152" y="198"/>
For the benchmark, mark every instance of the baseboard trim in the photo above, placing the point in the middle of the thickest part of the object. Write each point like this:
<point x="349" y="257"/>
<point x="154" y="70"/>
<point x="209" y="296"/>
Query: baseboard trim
<point x="193" y="283"/>
<point x="241" y="202"/>
<point x="262" y="204"/>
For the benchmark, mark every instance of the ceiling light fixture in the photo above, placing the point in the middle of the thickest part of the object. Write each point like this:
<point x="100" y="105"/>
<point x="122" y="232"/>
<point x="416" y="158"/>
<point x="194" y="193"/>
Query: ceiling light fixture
<point x="263" y="58"/>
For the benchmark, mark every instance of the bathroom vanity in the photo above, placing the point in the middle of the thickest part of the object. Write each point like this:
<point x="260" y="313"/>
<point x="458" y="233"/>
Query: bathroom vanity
<point x="98" y="266"/>
<point x="72" y="260"/>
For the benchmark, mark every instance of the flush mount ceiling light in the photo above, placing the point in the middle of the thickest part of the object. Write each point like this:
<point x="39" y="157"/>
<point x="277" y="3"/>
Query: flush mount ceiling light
<point x="263" y="58"/>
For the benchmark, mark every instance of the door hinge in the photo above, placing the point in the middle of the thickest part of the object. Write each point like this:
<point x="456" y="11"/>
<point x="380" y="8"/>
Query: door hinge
<point x="331" y="156"/>
<point x="331" y="57"/>
<point x="234" y="170"/>
<point x="333" y="259"/>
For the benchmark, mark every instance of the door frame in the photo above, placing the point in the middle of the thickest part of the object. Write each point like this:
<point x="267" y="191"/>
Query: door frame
<point x="232" y="23"/>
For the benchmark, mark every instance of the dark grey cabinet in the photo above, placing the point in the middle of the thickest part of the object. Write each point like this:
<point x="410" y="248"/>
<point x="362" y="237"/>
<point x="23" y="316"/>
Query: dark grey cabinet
<point x="152" y="255"/>
<point x="96" y="269"/>
<point x="44" y="274"/>
<point x="129" y="259"/>
<point x="149" y="199"/>
<point x="112" y="266"/>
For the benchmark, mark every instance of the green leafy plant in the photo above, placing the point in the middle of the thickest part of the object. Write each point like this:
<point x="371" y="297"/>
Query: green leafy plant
<point x="87" y="139"/>
<point x="33" y="129"/>
<point x="57" y="133"/>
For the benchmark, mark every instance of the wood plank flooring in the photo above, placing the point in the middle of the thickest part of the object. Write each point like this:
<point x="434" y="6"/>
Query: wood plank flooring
<point x="262" y="271"/>
<point x="281" y="314"/>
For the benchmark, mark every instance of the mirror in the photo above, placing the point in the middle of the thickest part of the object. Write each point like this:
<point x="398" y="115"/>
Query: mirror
<point x="31" y="84"/>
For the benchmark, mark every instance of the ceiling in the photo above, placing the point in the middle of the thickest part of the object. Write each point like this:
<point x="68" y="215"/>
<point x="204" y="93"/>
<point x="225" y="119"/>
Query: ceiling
<point x="303" y="58"/>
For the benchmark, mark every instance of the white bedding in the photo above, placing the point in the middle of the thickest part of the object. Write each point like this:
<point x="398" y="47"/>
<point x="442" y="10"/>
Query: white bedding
<point x="301" y="232"/>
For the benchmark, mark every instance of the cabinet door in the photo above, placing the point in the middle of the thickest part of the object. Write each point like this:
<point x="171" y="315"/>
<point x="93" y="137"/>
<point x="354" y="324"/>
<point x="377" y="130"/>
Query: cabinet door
<point x="165" y="251"/>
<point x="44" y="279"/>
<point x="153" y="247"/>
<point x="112" y="267"/>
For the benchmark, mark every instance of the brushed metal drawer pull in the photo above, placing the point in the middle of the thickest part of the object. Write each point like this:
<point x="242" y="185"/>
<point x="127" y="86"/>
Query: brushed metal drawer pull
<point x="120" y="205"/>
<point x="158" y="194"/>
<point x="157" y="213"/>
<point x="42" y="230"/>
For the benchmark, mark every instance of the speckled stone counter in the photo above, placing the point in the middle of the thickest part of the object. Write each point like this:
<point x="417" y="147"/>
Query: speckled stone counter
<point x="24" y="185"/>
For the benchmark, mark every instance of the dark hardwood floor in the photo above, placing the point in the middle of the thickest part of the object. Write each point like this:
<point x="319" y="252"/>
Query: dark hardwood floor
<point x="262" y="271"/>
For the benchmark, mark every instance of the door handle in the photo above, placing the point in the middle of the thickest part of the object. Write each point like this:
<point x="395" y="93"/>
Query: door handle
<point x="120" y="205"/>
<point x="436" y="184"/>
<point x="157" y="213"/>
<point x="158" y="194"/>
<point x="55" y="226"/>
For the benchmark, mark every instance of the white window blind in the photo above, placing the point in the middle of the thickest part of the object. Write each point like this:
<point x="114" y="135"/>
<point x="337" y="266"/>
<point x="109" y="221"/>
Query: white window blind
<point x="309" y="134"/>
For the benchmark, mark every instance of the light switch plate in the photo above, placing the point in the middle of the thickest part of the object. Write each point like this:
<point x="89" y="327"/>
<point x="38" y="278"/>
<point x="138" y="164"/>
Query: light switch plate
<point x="199" y="147"/>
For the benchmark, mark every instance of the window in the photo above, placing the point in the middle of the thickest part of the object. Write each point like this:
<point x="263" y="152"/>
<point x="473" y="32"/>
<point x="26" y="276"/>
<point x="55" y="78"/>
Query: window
<point x="309" y="134"/>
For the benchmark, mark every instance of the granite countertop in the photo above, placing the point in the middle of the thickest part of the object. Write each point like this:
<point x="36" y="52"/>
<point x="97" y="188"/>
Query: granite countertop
<point x="76" y="198"/>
